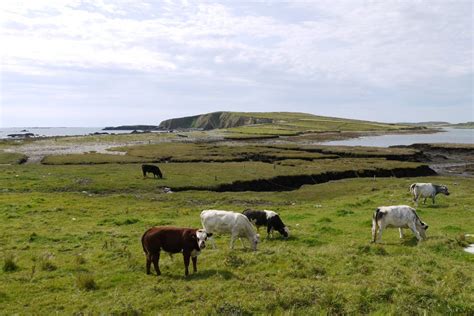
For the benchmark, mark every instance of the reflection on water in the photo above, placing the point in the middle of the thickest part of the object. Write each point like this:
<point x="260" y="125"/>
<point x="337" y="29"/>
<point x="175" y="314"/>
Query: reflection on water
<point x="450" y="135"/>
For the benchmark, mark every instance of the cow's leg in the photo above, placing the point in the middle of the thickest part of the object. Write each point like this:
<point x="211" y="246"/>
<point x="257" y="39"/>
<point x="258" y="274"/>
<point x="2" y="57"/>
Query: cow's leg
<point x="269" y="231"/>
<point x="424" y="201"/>
<point x="212" y="241"/>
<point x="374" y="230"/>
<point x="433" y="198"/>
<point x="148" y="263"/>
<point x="156" y="262"/>
<point x="186" y="257"/>
<point x="401" y="233"/>
<point x="144" y="173"/>
<point x="232" y="240"/>
<point x="195" y="264"/>
<point x="379" y="233"/>
<point x="242" y="242"/>
<point x="412" y="226"/>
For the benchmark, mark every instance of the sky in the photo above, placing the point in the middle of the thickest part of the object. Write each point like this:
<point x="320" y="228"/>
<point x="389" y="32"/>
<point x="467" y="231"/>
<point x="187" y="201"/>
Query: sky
<point x="108" y="63"/>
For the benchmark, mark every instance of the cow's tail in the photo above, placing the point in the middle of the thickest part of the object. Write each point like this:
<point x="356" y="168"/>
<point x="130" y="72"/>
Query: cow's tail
<point x="416" y="215"/>
<point x="375" y="224"/>
<point x="412" y="188"/>
<point x="143" y="242"/>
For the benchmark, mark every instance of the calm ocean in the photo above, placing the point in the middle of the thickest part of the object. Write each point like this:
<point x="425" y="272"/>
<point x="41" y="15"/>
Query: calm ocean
<point x="450" y="135"/>
<point x="54" y="131"/>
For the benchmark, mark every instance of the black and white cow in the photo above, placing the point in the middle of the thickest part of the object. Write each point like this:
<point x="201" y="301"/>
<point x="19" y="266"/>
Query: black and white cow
<point x="399" y="216"/>
<point x="267" y="218"/>
<point x="426" y="190"/>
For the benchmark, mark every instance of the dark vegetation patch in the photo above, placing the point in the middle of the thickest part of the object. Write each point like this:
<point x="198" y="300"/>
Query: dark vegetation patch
<point x="85" y="281"/>
<point x="9" y="263"/>
<point x="344" y="212"/>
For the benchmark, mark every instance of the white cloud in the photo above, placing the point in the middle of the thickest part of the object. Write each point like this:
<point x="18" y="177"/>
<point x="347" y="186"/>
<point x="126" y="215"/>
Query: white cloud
<point x="345" y="45"/>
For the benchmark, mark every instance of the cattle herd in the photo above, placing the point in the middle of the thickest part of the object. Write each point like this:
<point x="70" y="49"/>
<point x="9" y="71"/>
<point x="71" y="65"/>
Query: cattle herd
<point x="190" y="241"/>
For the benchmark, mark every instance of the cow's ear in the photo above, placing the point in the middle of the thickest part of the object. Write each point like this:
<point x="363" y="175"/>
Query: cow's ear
<point x="209" y="234"/>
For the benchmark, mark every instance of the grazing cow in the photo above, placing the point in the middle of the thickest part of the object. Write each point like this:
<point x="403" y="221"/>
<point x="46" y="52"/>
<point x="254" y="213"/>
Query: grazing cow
<point x="152" y="169"/>
<point x="401" y="216"/>
<point x="190" y="241"/>
<point x="426" y="190"/>
<point x="236" y="224"/>
<point x="267" y="218"/>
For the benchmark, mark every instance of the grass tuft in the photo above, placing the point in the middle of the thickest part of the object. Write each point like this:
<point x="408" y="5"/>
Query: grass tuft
<point x="9" y="264"/>
<point x="46" y="263"/>
<point x="232" y="260"/>
<point x="230" y="309"/>
<point x="85" y="281"/>
<point x="79" y="259"/>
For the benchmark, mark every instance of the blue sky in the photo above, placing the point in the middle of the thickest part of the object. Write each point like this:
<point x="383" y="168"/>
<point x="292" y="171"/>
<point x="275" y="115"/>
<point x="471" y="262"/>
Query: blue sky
<point x="99" y="62"/>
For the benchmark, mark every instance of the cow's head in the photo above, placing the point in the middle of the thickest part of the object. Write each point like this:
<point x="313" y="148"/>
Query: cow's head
<point x="201" y="237"/>
<point x="422" y="227"/>
<point x="285" y="232"/>
<point x="442" y="189"/>
<point x="255" y="241"/>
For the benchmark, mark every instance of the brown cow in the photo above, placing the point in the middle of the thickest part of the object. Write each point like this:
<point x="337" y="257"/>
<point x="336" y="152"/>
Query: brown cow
<point x="190" y="241"/>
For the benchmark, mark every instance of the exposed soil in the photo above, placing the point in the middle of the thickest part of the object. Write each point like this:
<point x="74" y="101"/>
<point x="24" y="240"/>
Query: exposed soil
<point x="289" y="183"/>
<point x="448" y="160"/>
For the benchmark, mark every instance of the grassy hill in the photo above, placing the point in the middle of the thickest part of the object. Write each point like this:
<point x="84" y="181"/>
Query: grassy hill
<point x="274" y="123"/>
<point x="463" y="125"/>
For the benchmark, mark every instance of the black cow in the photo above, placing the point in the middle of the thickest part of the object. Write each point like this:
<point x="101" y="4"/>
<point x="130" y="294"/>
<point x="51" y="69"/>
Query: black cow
<point x="267" y="218"/>
<point x="153" y="169"/>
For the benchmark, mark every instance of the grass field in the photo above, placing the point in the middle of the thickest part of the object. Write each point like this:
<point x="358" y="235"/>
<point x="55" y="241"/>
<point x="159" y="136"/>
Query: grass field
<point x="70" y="236"/>
<point x="61" y="242"/>
<point x="125" y="178"/>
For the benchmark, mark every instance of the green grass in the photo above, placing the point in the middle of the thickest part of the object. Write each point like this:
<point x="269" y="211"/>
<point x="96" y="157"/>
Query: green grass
<point x="211" y="152"/>
<point x="109" y="178"/>
<point x="275" y="123"/>
<point x="292" y="124"/>
<point x="328" y="264"/>
<point x="206" y="152"/>
<point x="11" y="158"/>
<point x="90" y="158"/>
<point x="70" y="233"/>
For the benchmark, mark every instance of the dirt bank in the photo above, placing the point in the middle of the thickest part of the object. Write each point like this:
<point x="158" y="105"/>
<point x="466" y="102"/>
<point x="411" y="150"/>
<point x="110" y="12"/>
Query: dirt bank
<point x="294" y="182"/>
<point x="447" y="159"/>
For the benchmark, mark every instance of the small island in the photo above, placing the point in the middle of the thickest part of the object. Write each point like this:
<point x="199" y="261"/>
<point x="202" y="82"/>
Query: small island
<point x="131" y="128"/>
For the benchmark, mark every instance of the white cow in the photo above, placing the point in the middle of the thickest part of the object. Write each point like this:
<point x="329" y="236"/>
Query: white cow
<point x="400" y="216"/>
<point x="238" y="225"/>
<point x="426" y="190"/>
